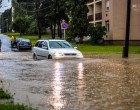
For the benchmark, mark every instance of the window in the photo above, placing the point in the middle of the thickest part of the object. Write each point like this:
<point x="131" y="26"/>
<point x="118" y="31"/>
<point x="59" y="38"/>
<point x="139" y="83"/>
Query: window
<point x="59" y="44"/>
<point x="107" y="5"/>
<point x="107" y="26"/>
<point x="44" y="45"/>
<point x="40" y="44"/>
<point x="36" y="45"/>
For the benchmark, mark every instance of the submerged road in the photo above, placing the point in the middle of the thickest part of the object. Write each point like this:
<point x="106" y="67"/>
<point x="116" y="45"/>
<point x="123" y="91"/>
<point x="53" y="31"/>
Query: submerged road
<point x="98" y="82"/>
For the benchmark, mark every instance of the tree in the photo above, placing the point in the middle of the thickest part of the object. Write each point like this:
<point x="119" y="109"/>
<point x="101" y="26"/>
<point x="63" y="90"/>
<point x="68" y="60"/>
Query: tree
<point x="6" y="20"/>
<point x="78" y="17"/>
<point x="55" y="12"/>
<point x="21" y="24"/>
<point x="0" y="3"/>
<point x="32" y="28"/>
<point x="49" y="13"/>
<point x="96" y="32"/>
<point x="36" y="11"/>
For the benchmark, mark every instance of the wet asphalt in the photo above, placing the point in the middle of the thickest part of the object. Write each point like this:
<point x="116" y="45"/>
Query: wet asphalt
<point x="97" y="82"/>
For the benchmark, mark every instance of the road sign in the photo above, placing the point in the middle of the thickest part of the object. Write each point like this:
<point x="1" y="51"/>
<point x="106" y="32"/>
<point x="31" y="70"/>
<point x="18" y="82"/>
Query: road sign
<point x="64" y="25"/>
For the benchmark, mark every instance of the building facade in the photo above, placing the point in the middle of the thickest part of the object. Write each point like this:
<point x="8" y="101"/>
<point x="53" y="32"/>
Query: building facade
<point x="112" y="14"/>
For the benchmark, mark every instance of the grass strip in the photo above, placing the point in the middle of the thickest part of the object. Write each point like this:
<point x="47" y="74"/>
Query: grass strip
<point x="4" y="94"/>
<point x="11" y="106"/>
<point x="87" y="47"/>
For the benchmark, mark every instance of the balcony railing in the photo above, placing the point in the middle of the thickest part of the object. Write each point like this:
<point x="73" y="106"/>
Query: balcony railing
<point x="98" y="16"/>
<point x="90" y="17"/>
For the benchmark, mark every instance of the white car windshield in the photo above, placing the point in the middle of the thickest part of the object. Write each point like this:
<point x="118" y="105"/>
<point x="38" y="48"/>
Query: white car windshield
<point x="59" y="44"/>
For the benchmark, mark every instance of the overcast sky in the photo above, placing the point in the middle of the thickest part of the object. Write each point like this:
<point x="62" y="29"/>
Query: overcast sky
<point x="5" y="5"/>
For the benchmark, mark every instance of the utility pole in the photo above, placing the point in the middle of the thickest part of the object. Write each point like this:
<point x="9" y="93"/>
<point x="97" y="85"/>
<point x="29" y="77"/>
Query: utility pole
<point x="127" y="34"/>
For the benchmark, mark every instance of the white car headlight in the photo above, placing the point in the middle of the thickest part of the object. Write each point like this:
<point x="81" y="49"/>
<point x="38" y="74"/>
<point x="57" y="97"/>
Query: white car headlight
<point x="80" y="54"/>
<point x="58" y="54"/>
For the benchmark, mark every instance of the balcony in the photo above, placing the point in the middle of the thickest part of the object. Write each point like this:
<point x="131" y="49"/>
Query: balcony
<point x="90" y="1"/>
<point x="90" y="18"/>
<point x="96" y="0"/>
<point x="98" y="16"/>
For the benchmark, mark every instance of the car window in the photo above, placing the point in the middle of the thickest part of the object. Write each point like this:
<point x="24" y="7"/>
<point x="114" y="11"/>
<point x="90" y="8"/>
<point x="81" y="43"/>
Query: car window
<point x="26" y="40"/>
<point x="36" y="45"/>
<point x="44" y="44"/>
<point x="40" y="44"/>
<point x="59" y="44"/>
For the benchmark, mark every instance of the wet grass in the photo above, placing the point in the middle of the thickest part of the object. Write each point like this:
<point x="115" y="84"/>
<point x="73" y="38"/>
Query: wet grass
<point x="86" y="47"/>
<point x="11" y="106"/>
<point x="107" y="49"/>
<point x="4" y="94"/>
<point x="33" y="38"/>
<point x="7" y="104"/>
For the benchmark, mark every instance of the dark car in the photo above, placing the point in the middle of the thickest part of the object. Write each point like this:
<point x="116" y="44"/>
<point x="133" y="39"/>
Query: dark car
<point x="22" y="43"/>
<point x="15" y="42"/>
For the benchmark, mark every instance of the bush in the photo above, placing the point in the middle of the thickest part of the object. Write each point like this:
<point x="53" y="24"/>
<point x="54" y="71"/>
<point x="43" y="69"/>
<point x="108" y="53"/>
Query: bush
<point x="96" y="33"/>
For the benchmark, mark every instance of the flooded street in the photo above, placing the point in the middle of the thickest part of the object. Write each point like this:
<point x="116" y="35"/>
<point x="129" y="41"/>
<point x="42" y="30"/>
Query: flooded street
<point x="97" y="82"/>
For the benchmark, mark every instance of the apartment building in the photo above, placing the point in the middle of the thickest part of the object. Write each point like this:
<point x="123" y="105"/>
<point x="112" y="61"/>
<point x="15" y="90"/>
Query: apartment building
<point x="112" y="14"/>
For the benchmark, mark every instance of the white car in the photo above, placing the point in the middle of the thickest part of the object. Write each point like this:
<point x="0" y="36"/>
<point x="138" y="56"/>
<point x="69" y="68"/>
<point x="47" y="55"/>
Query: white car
<point x="55" y="49"/>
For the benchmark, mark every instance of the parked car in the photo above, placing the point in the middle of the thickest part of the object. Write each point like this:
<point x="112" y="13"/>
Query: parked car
<point x="22" y="43"/>
<point x="15" y="42"/>
<point x="55" y="49"/>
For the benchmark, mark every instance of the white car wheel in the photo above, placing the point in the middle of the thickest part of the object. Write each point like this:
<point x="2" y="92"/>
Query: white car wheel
<point x="49" y="57"/>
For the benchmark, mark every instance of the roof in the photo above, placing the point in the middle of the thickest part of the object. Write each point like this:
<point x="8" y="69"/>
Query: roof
<point x="51" y="40"/>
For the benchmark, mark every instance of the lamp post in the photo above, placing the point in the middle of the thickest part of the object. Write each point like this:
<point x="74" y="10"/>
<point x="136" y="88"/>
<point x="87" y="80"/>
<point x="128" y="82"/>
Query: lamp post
<point x="127" y="34"/>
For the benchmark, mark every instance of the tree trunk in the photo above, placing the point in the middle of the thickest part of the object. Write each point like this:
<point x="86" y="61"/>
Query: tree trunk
<point x="38" y="21"/>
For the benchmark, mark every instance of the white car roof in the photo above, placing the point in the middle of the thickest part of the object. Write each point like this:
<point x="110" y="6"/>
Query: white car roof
<point x="52" y="40"/>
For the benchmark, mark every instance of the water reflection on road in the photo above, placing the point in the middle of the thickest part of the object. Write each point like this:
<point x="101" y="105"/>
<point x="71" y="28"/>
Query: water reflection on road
<point x="98" y="83"/>
<point x="56" y="98"/>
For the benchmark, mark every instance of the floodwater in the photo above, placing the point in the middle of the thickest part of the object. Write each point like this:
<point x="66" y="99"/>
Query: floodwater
<point x="98" y="82"/>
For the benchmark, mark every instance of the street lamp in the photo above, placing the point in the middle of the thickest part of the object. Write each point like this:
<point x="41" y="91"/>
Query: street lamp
<point x="126" y="46"/>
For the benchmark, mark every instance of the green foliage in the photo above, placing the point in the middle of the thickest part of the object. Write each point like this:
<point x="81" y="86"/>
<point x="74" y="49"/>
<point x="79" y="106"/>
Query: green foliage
<point x="96" y="32"/>
<point x="21" y="24"/>
<point x="4" y="94"/>
<point x="32" y="28"/>
<point x="11" y="106"/>
<point x="78" y="18"/>
<point x="6" y="20"/>
<point x="48" y="13"/>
